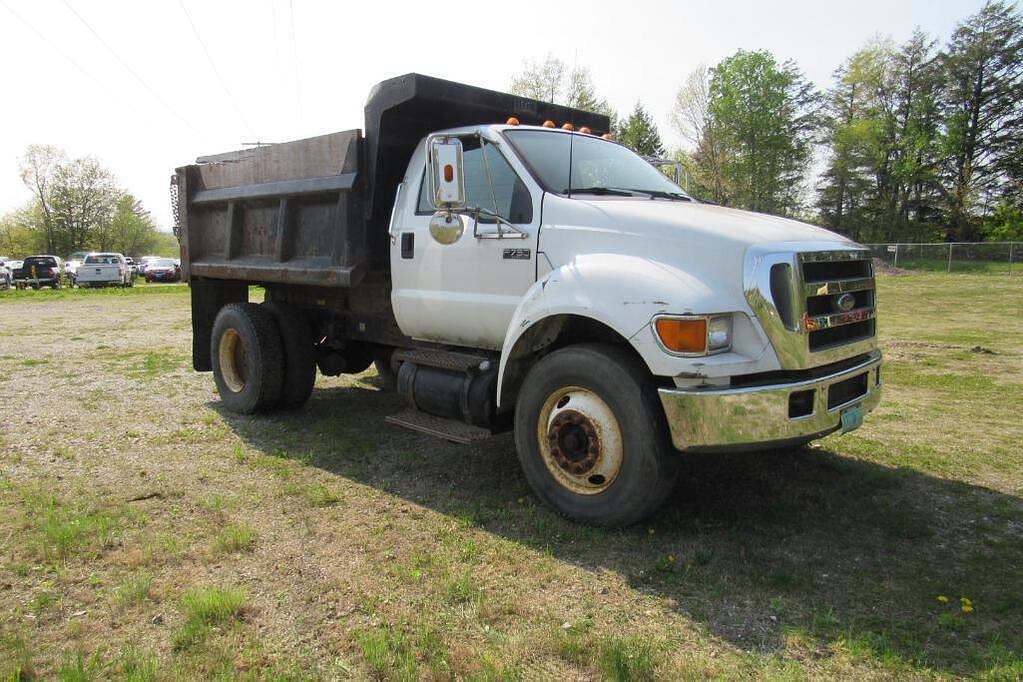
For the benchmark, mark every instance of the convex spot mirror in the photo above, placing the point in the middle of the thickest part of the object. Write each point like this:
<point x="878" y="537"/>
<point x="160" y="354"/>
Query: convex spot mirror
<point x="446" y="172"/>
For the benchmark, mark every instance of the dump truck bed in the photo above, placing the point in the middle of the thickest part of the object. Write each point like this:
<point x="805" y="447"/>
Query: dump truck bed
<point x="288" y="213"/>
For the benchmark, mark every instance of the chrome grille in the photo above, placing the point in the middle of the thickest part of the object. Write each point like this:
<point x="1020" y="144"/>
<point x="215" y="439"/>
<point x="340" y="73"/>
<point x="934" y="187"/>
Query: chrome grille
<point x="815" y="306"/>
<point x="832" y="278"/>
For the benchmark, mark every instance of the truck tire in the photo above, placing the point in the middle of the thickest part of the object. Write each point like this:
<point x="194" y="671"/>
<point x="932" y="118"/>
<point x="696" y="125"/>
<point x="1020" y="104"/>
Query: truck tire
<point x="299" y="354"/>
<point x="247" y="354"/>
<point x="591" y="437"/>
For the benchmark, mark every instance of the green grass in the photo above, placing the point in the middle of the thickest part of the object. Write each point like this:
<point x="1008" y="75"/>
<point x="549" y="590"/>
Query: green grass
<point x="205" y="608"/>
<point x="134" y="589"/>
<point x="964" y="266"/>
<point x="385" y="555"/>
<point x="67" y="293"/>
<point x="234" y="538"/>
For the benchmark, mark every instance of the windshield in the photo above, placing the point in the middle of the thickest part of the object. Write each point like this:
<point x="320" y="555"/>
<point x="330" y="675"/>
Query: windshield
<point x="598" y="166"/>
<point x="102" y="259"/>
<point x="162" y="263"/>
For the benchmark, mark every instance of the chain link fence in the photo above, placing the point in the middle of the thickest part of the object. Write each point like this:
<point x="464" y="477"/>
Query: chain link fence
<point x="1004" y="258"/>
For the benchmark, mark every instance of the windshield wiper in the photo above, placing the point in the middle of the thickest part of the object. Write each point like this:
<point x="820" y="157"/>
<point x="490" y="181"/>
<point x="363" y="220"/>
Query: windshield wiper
<point x="613" y="191"/>
<point x="661" y="194"/>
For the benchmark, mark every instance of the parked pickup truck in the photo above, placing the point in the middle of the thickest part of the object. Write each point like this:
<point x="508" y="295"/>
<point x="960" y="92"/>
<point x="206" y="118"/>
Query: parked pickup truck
<point x="508" y="266"/>
<point x="39" y="271"/>
<point x="104" y="269"/>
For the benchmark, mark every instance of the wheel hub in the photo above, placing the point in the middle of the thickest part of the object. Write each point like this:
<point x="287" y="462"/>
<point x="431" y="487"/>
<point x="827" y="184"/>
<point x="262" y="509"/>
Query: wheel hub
<point x="580" y="440"/>
<point x="231" y="354"/>
<point x="574" y="442"/>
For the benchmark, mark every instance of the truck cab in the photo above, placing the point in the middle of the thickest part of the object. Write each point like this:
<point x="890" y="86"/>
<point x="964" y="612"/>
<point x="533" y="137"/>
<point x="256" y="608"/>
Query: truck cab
<point x="529" y="274"/>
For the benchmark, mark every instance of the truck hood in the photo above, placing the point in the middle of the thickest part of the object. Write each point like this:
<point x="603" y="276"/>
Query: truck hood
<point x="701" y="245"/>
<point x="695" y="222"/>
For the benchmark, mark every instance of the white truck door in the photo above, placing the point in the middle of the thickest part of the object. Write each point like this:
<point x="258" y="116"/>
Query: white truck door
<point x="465" y="293"/>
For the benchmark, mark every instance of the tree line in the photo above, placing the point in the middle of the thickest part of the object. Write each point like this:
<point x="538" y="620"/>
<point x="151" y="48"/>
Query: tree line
<point x="77" y="205"/>
<point x="911" y="142"/>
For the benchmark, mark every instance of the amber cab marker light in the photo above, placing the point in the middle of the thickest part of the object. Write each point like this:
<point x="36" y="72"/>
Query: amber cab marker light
<point x="512" y="121"/>
<point x="585" y="131"/>
<point x="549" y="124"/>
<point x="568" y="126"/>
<point x="683" y="336"/>
<point x="608" y="136"/>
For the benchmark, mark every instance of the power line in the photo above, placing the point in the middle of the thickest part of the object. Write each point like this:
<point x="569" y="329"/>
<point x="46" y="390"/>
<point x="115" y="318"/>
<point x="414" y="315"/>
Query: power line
<point x="294" y="51"/>
<point x="216" y="71"/>
<point x="53" y="45"/>
<point x="130" y="70"/>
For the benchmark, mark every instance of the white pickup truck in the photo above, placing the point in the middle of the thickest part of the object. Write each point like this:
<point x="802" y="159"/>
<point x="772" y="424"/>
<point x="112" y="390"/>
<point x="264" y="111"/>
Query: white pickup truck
<point x="104" y="270"/>
<point x="540" y="278"/>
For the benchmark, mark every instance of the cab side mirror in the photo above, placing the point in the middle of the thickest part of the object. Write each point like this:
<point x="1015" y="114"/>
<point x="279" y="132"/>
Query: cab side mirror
<point x="445" y="155"/>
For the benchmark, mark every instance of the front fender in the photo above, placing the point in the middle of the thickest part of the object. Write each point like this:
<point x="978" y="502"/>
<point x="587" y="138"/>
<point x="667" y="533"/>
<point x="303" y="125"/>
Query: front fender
<point x="621" y="292"/>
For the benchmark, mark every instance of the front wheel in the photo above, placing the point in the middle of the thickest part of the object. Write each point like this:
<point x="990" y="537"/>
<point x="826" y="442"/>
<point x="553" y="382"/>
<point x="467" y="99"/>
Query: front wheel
<point x="591" y="437"/>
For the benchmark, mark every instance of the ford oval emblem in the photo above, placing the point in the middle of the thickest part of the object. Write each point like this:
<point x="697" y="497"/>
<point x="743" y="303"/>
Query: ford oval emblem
<point x="845" y="302"/>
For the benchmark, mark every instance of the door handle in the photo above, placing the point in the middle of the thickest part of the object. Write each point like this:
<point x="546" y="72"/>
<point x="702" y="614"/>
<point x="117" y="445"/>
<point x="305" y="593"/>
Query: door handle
<point x="408" y="244"/>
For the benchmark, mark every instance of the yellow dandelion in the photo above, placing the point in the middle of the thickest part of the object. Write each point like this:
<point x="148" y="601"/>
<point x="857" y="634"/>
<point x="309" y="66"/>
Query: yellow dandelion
<point x="967" y="608"/>
<point x="671" y="558"/>
<point x="943" y="599"/>
<point x="965" y="601"/>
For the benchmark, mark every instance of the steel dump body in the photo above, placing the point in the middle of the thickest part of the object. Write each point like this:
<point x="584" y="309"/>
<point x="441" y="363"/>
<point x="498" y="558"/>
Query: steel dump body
<point x="287" y="213"/>
<point x="315" y="211"/>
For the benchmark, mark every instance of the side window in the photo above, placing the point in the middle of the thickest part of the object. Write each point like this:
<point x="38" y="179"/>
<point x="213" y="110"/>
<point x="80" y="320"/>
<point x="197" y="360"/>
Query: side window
<point x="509" y="199"/>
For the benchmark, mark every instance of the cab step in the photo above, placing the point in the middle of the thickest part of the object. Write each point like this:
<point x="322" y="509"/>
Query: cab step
<point x="446" y="429"/>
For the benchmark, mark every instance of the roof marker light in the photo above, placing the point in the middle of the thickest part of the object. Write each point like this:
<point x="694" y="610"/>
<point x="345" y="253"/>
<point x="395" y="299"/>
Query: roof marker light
<point x="512" y="121"/>
<point x="585" y="131"/>
<point x="568" y="126"/>
<point x="549" y="124"/>
<point x="608" y="136"/>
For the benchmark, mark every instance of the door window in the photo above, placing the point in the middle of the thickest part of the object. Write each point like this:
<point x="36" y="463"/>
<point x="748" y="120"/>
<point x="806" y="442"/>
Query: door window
<point x="505" y="194"/>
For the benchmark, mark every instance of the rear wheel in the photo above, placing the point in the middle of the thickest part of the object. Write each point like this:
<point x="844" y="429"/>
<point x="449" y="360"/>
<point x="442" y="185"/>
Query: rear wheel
<point x="247" y="354"/>
<point x="299" y="354"/>
<point x="591" y="437"/>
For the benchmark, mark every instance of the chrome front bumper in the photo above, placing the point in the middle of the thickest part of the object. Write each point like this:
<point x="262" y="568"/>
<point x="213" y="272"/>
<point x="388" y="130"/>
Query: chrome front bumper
<point x="759" y="416"/>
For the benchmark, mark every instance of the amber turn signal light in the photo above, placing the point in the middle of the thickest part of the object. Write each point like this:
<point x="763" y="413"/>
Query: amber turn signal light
<point x="681" y="335"/>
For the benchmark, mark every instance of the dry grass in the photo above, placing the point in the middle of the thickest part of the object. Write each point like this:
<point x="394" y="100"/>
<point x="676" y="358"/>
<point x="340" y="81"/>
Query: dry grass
<point x="146" y="534"/>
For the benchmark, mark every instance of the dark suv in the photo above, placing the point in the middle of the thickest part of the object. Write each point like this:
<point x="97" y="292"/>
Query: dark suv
<point x="39" y="271"/>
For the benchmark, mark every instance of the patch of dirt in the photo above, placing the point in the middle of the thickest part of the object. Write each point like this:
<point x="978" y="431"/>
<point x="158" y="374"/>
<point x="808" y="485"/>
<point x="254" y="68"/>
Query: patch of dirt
<point x="882" y="268"/>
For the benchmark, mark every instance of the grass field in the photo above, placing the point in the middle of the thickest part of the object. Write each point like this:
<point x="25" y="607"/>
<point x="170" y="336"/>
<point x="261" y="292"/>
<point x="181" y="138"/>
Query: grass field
<point x="146" y="534"/>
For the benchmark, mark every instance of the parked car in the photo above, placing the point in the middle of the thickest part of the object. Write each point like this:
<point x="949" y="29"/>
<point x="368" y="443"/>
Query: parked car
<point x="14" y="266"/>
<point x="6" y="274"/>
<point x="71" y="265"/>
<point x="104" y="269"/>
<point x="163" y="270"/>
<point x="144" y="263"/>
<point x="40" y="271"/>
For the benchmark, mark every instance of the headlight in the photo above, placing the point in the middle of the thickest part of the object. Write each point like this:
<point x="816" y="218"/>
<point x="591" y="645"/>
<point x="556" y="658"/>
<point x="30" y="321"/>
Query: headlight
<point x="692" y="335"/>
<point x="719" y="333"/>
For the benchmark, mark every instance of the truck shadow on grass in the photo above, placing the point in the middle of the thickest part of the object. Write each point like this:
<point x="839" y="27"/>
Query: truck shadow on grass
<point x="803" y="553"/>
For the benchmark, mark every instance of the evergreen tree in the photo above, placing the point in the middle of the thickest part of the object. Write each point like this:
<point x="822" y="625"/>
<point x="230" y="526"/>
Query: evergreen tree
<point x="983" y="109"/>
<point x="640" y="133"/>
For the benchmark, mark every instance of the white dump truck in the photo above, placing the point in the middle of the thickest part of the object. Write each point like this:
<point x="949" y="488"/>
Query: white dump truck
<point x="507" y="266"/>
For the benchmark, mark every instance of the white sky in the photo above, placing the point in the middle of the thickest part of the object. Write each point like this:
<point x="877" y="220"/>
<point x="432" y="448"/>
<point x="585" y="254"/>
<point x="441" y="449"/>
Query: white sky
<point x="279" y="88"/>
